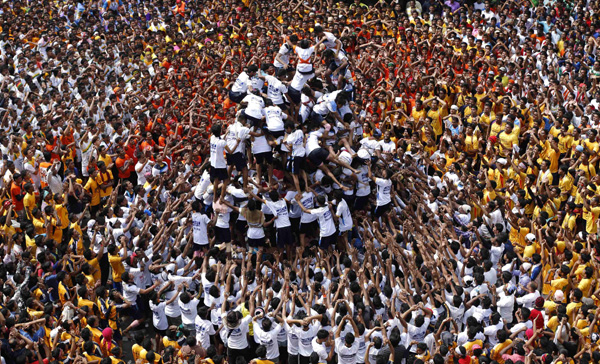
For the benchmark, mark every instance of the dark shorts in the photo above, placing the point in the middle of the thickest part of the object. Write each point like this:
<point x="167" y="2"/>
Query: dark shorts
<point x="236" y="97"/>
<point x="223" y="235"/>
<point x="253" y="121"/>
<point x="327" y="241"/>
<point x="284" y="236"/>
<point x="295" y="164"/>
<point x="293" y="359"/>
<point x="276" y="134"/>
<point x="255" y="243"/>
<point x="218" y="173"/>
<point x="198" y="247"/>
<point x="380" y="210"/>
<point x="262" y="158"/>
<point x="238" y="160"/>
<point x="294" y="95"/>
<point x="241" y="226"/>
<point x="318" y="156"/>
<point x="135" y="312"/>
<point x="295" y="221"/>
<point x="310" y="228"/>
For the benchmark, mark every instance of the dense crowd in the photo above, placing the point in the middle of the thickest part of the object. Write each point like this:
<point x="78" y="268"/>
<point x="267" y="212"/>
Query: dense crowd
<point x="299" y="182"/>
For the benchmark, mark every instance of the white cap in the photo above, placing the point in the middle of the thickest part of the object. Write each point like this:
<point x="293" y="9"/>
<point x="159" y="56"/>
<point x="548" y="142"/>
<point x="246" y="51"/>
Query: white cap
<point x="530" y="237"/>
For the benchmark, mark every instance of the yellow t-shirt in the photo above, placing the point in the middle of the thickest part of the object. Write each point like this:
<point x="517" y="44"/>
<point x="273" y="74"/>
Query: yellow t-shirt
<point x="590" y="217"/>
<point x="104" y="178"/>
<point x="117" y="266"/>
<point x="507" y="141"/>
<point x="495" y="352"/>
<point x="92" y="187"/>
<point x="29" y="202"/>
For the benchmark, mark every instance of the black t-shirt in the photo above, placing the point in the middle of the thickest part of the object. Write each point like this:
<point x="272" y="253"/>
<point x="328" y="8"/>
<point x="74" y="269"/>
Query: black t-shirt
<point x="399" y="353"/>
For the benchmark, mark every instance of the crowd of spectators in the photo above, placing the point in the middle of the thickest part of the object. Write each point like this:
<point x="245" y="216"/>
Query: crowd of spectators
<point x="299" y="182"/>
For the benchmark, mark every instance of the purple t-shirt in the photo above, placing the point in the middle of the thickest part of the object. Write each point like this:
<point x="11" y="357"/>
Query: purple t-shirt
<point x="452" y="4"/>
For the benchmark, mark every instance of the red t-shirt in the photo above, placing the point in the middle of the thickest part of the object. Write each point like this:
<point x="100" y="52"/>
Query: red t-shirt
<point x="537" y="316"/>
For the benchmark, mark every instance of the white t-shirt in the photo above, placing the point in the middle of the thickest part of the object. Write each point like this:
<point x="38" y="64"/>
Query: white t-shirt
<point x="217" y="147"/>
<point x="131" y="292"/>
<point x="321" y="350"/>
<point x="296" y="141"/>
<point x="505" y="305"/>
<point x="236" y="338"/>
<point x="260" y="144"/>
<point x="308" y="201"/>
<point x="346" y="355"/>
<point x="141" y="170"/>
<point x="305" y="338"/>
<point x="417" y="333"/>
<point x="200" y="222"/>
<point x="312" y="142"/>
<point x="204" y="328"/>
<point x="189" y="311"/>
<point x="304" y="61"/>
<point x="241" y="83"/>
<point x="275" y="90"/>
<point x="326" y="223"/>
<point x="330" y="42"/>
<point x="388" y="147"/>
<point x="280" y="210"/>
<point x="293" y="341"/>
<point x="268" y="339"/>
<point x="274" y="118"/>
<point x="159" y="319"/>
<point x="363" y="187"/>
<point x="284" y="53"/>
<point x="255" y="107"/>
<point x="384" y="189"/>
<point x="237" y="131"/>
<point x="345" y="218"/>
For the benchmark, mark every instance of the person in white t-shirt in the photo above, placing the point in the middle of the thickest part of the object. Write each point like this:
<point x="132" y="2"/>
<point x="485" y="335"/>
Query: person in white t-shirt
<point x="282" y="58"/>
<point x="159" y="318"/>
<point x="239" y="88"/>
<point x="294" y="142"/>
<point x="238" y="131"/>
<point x="204" y="327"/>
<point x="384" y="192"/>
<point x="306" y="332"/>
<point x="188" y="305"/>
<point x="304" y="72"/>
<point x="265" y="334"/>
<point x="275" y="88"/>
<point x="236" y="328"/>
<point x="323" y="346"/>
<point x="343" y="215"/>
<point x="279" y="208"/>
<point x="275" y="120"/>
<point x="417" y="331"/>
<point x="347" y="347"/>
<point x="131" y="292"/>
<point x="328" y="39"/>
<point x="327" y="229"/>
<point x="218" y="165"/>
<point x="200" y="223"/>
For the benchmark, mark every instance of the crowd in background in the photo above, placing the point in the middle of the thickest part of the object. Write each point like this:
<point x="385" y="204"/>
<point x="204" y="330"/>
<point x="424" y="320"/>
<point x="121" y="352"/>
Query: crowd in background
<point x="299" y="182"/>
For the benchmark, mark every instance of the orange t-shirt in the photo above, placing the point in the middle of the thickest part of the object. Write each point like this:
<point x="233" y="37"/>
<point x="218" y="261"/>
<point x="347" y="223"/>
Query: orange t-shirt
<point x="120" y="162"/>
<point x="14" y="191"/>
